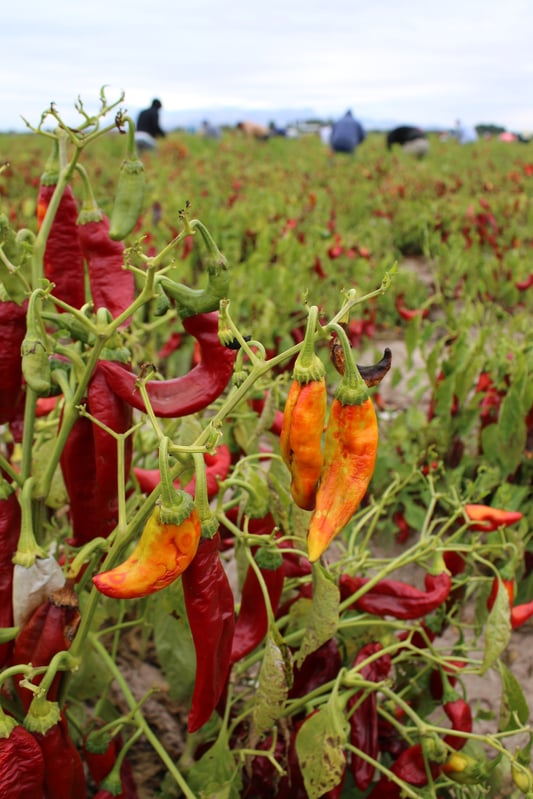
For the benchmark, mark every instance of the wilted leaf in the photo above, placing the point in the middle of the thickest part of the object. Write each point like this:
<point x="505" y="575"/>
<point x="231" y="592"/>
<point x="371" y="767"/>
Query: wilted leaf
<point x="324" y="618"/>
<point x="320" y="744"/>
<point x="497" y="629"/>
<point x="215" y="775"/>
<point x="275" y="679"/>
<point x="514" y="709"/>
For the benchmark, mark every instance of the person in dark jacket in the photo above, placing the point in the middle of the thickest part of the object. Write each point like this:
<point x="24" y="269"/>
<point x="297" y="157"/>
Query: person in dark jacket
<point x="411" y="139"/>
<point x="148" y="126"/>
<point x="346" y="134"/>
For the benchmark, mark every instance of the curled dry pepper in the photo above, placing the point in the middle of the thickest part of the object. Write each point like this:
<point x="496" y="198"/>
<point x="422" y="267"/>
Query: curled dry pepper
<point x="89" y="461"/>
<point x="396" y="598"/>
<point x="364" y="726"/>
<point x="189" y="393"/>
<point x="372" y="375"/>
<point x="21" y="762"/>
<point x="210" y="610"/>
<point x="487" y="519"/>
<point x="49" y="630"/>
<point x="63" y="258"/>
<point x="162" y="553"/>
<point x="349" y="458"/>
<point x="9" y="536"/>
<point x="112" y="286"/>
<point x="64" y="776"/>
<point x="12" y="332"/>
<point x="303" y="420"/>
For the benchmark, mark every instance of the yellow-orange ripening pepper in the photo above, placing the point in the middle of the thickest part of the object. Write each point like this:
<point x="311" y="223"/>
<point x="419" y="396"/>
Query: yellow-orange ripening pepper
<point x="303" y="421"/>
<point x="163" y="552"/>
<point x="349" y="458"/>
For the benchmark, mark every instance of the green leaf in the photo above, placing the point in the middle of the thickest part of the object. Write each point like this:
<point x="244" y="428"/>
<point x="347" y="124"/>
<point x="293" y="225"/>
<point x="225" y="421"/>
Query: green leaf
<point x="320" y="744"/>
<point x="275" y="679"/>
<point x="512" y="432"/>
<point x="497" y="630"/>
<point x="514" y="709"/>
<point x="324" y="619"/>
<point x="215" y="775"/>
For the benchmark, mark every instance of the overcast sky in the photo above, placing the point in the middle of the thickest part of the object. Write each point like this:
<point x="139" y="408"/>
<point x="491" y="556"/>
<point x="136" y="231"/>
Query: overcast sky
<point x="413" y="61"/>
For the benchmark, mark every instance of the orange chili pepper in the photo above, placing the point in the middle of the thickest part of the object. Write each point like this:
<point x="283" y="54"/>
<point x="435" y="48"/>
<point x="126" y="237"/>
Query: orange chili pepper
<point x="349" y="457"/>
<point x="163" y="553"/>
<point x="487" y="519"/>
<point x="303" y="420"/>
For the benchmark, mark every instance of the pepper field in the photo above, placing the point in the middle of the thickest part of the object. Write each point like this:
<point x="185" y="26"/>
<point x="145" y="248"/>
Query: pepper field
<point x="221" y="661"/>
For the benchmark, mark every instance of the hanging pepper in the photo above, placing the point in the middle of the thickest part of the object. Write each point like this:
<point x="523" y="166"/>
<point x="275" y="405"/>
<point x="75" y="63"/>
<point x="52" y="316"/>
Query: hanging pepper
<point x="252" y="621"/>
<point x="210" y="610"/>
<point x="130" y="190"/>
<point x="464" y="769"/>
<point x="162" y="553"/>
<point x="191" y="302"/>
<point x="395" y="598"/>
<point x="349" y="458"/>
<point x="9" y="536"/>
<point x="112" y="286"/>
<point x="372" y="375"/>
<point x="12" y="332"/>
<point x="101" y="752"/>
<point x="50" y="629"/>
<point x="303" y="420"/>
<point x="63" y="258"/>
<point x="35" y="363"/>
<point x="64" y="776"/>
<point x="460" y="714"/>
<point x="364" y="727"/>
<point x="217" y="468"/>
<point x="487" y="519"/>
<point x="89" y="461"/>
<point x="318" y="667"/>
<point x="189" y="393"/>
<point x="409" y="767"/>
<point x="21" y="762"/>
<point x="519" y="613"/>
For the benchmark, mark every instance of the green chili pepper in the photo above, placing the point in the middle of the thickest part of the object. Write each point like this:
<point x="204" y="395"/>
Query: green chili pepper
<point x="130" y="191"/>
<point x="35" y="363"/>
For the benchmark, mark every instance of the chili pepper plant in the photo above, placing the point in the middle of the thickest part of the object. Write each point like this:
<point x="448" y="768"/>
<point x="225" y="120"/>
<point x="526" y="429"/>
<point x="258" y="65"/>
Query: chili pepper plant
<point x="202" y="457"/>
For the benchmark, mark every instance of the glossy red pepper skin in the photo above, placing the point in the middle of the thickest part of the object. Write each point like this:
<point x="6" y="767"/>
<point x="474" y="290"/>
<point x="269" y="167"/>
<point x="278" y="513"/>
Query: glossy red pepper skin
<point x="21" y="766"/>
<point x="395" y="598"/>
<point x="9" y="536"/>
<point x="112" y="286"/>
<point x="49" y="630"/>
<point x="460" y="714"/>
<point x="319" y="667"/>
<point x="89" y="462"/>
<point x="12" y="332"/>
<point x="192" y="392"/>
<point x="63" y="257"/>
<point x="101" y="763"/>
<point x="409" y="766"/>
<point x="64" y="776"/>
<point x="364" y="724"/>
<point x="217" y="468"/>
<point x="211" y="613"/>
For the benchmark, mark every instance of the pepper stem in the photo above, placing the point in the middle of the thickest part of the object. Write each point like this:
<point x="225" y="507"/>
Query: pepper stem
<point x="28" y="550"/>
<point x="176" y="506"/>
<point x="352" y="390"/>
<point x="90" y="211"/>
<point x="308" y="366"/>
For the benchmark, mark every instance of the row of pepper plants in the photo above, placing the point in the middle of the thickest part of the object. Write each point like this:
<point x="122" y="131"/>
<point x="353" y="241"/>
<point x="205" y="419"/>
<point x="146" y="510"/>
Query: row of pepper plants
<point x="199" y="452"/>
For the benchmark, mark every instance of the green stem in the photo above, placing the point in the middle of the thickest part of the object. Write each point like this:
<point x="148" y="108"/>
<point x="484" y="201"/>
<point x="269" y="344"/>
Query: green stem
<point x="28" y="549"/>
<point x="140" y="720"/>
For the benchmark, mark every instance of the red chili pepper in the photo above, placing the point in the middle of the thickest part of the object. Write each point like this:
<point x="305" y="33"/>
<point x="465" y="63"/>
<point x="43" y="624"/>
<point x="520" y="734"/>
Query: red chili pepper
<point x="9" y="537"/>
<point x="520" y="614"/>
<point x="258" y="404"/>
<point x="460" y="715"/>
<point x="64" y="777"/>
<point x="49" y="630"/>
<point x="189" y="393"/>
<point x="217" y="468"/>
<point x="21" y="765"/>
<point x="101" y="761"/>
<point x="252" y="622"/>
<point x="487" y="519"/>
<point x="364" y="726"/>
<point x="409" y="767"/>
<point x="12" y="332"/>
<point x="509" y="586"/>
<point x="112" y="286"/>
<point x="210" y="610"/>
<point x="319" y="667"/>
<point x="395" y="598"/>
<point x="89" y="462"/>
<point x="409" y="313"/>
<point x="63" y="258"/>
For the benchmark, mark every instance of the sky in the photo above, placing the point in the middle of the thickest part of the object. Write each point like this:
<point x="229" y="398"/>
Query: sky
<point x="410" y="61"/>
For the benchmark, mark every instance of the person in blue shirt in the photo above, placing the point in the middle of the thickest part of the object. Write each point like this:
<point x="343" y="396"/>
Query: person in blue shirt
<point x="346" y="134"/>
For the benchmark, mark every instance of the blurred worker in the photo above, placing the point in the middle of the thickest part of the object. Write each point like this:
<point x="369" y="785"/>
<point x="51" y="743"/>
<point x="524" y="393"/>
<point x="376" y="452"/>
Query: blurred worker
<point x="346" y="134"/>
<point x="412" y="140"/>
<point x="148" y="126"/>
<point x="253" y="130"/>
<point x="464" y="133"/>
